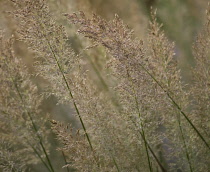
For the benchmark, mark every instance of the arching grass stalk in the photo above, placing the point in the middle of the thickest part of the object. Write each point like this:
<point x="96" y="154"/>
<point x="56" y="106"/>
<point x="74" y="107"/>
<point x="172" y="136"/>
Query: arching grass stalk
<point x="35" y="129"/>
<point x="34" y="149"/>
<point x="142" y="133"/>
<point x="177" y="106"/>
<point x="141" y="125"/>
<point x="72" y="98"/>
<point x="150" y="149"/>
<point x="114" y="36"/>
<point x="184" y="142"/>
<point x="40" y="157"/>
<point x="119" y="109"/>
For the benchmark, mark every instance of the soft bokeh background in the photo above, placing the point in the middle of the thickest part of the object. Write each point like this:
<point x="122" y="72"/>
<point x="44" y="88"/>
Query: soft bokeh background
<point x="181" y="19"/>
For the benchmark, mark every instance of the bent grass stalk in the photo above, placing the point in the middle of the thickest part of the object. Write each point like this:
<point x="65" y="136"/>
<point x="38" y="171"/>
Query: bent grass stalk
<point x="142" y="128"/>
<point x="40" y="157"/>
<point x="74" y="103"/>
<point x="150" y="149"/>
<point x="184" y="142"/>
<point x="34" y="149"/>
<point x="73" y="100"/>
<point x="35" y="129"/>
<point x="103" y="25"/>
<point x="139" y="125"/>
<point x="142" y="133"/>
<point x="119" y="109"/>
<point x="177" y="106"/>
<point x="96" y="29"/>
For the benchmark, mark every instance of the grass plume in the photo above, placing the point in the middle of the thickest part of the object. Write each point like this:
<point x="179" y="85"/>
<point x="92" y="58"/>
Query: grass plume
<point x="134" y="110"/>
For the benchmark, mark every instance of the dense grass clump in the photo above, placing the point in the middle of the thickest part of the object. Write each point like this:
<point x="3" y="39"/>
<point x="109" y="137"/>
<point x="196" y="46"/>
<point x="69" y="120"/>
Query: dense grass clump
<point x="133" y="108"/>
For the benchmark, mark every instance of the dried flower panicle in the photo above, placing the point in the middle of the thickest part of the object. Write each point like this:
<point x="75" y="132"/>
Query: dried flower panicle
<point x="48" y="40"/>
<point x="21" y="119"/>
<point x="10" y="157"/>
<point x="149" y="86"/>
<point x="55" y="60"/>
<point x="112" y="130"/>
<point x="200" y="94"/>
<point x="75" y="146"/>
<point x="201" y="75"/>
<point x="118" y="40"/>
<point x="140" y="117"/>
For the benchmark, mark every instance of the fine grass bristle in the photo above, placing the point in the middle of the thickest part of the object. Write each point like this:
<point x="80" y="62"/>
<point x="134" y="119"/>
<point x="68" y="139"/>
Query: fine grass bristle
<point x="134" y="109"/>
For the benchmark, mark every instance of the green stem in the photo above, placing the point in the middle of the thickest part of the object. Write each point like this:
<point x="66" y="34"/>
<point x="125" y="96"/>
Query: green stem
<point x="70" y="93"/>
<point x="36" y="152"/>
<point x="72" y="97"/>
<point x="119" y="108"/>
<point x="177" y="106"/>
<point x="33" y="124"/>
<point x="150" y="149"/>
<point x="141" y="124"/>
<point x="185" y="146"/>
<point x="40" y="157"/>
